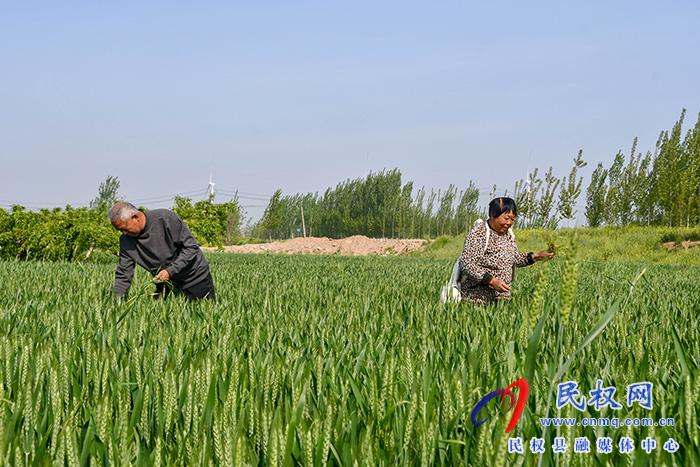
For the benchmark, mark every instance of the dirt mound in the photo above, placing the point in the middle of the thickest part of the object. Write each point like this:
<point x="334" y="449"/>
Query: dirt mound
<point x="684" y="245"/>
<point x="355" y="245"/>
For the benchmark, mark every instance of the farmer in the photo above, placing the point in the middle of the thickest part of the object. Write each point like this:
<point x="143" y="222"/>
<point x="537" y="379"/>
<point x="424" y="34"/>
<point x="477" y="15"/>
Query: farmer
<point x="160" y="242"/>
<point x="490" y="255"/>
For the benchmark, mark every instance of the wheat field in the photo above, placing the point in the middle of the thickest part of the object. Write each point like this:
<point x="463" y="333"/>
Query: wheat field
<point x="334" y="360"/>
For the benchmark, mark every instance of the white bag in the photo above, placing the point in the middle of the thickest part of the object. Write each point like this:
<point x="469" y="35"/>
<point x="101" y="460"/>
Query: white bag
<point x="452" y="291"/>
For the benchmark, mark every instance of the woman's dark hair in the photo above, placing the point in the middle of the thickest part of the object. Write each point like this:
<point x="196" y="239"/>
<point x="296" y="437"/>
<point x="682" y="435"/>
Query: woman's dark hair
<point x="498" y="206"/>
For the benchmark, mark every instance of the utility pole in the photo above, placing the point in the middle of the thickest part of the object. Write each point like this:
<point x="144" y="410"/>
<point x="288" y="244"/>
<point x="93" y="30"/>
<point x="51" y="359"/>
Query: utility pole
<point x="303" y="224"/>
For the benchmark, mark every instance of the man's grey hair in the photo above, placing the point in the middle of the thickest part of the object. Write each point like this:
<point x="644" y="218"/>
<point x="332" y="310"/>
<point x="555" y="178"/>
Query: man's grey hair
<point x="122" y="210"/>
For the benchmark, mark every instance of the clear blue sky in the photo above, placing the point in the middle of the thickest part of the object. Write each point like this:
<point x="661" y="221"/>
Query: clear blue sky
<point x="302" y="95"/>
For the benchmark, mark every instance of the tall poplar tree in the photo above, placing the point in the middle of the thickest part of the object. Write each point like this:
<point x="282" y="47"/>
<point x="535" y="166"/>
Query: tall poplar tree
<point x="667" y="172"/>
<point x="595" y="196"/>
<point x="612" y="195"/>
<point x="571" y="189"/>
<point x="543" y="208"/>
<point x="689" y="181"/>
<point x="107" y="193"/>
<point x="467" y="208"/>
<point x="274" y="214"/>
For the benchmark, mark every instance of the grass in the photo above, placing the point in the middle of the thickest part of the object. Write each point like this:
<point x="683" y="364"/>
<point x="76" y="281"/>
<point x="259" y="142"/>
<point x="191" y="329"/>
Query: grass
<point x="604" y="244"/>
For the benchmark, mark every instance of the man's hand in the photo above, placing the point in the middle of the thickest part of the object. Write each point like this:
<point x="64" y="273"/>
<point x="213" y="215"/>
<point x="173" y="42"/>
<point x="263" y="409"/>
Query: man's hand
<point x="162" y="276"/>
<point x="499" y="285"/>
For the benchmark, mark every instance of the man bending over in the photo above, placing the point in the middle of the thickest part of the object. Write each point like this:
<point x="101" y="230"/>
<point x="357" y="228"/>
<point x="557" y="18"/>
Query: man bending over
<point x="160" y="242"/>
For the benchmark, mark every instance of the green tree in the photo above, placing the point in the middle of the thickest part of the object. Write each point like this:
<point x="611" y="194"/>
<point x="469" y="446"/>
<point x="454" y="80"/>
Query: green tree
<point x="595" y="196"/>
<point x="390" y="186"/>
<point x="210" y="223"/>
<point x="417" y="214"/>
<point x="107" y="193"/>
<point x="467" y="208"/>
<point x="643" y="196"/>
<point x="428" y="213"/>
<point x="668" y="172"/>
<point x="571" y="189"/>
<point x="543" y="208"/>
<point x="273" y="217"/>
<point x="689" y="181"/>
<point x="55" y="235"/>
<point x="445" y="212"/>
<point x="632" y="196"/>
<point x="613" y="197"/>
<point x="525" y="194"/>
<point x="405" y="209"/>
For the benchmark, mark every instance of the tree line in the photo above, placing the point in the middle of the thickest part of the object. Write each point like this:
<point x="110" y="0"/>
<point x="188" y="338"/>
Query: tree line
<point x="660" y="188"/>
<point x="380" y="205"/>
<point x="76" y="234"/>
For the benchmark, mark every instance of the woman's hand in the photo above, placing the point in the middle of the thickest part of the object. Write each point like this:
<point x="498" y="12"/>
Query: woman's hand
<point x="542" y="255"/>
<point x="499" y="285"/>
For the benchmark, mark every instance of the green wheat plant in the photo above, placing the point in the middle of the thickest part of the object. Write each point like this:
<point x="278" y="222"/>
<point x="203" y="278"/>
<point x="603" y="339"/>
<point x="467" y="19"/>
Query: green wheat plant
<point x="337" y="361"/>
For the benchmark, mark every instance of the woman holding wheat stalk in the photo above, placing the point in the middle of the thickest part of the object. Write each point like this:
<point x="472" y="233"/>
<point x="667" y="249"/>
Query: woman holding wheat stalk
<point x="491" y="255"/>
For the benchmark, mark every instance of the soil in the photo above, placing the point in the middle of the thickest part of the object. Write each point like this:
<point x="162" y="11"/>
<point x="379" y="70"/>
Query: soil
<point x="355" y="245"/>
<point x="670" y="246"/>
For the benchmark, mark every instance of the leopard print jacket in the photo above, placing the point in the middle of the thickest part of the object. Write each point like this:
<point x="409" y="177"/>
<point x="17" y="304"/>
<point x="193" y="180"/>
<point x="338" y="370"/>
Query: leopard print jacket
<point x="500" y="259"/>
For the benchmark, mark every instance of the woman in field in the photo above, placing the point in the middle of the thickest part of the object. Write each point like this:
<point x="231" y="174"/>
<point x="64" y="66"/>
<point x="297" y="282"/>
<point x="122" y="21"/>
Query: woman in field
<point x="490" y="255"/>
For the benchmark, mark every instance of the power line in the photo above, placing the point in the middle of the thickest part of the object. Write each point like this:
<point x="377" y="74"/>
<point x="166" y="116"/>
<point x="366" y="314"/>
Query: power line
<point x="26" y="204"/>
<point x="255" y="194"/>
<point x="242" y="194"/>
<point x="254" y="199"/>
<point x="168" y="196"/>
<point x="154" y="199"/>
